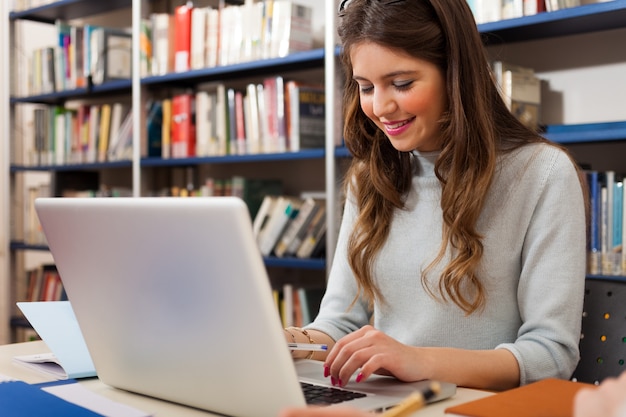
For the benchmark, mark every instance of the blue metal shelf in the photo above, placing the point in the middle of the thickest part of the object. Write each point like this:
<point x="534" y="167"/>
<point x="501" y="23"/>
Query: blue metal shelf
<point x="315" y="264"/>
<point x="294" y="62"/>
<point x="586" y="133"/>
<point x="71" y="167"/>
<point x="17" y="245"/>
<point x="69" y="9"/>
<point x="619" y="278"/>
<point x="74" y="9"/>
<point x="110" y="87"/>
<point x="229" y="159"/>
<point x="570" y="21"/>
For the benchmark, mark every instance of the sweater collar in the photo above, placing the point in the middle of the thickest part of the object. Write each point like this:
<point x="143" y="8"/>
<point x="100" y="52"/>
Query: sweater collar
<point x="424" y="163"/>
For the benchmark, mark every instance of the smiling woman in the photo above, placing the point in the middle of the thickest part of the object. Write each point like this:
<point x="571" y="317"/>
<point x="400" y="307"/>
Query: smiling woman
<point x="448" y="234"/>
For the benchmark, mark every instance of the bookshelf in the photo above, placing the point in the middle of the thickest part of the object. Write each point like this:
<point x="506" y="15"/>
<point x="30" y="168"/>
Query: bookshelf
<point x="592" y="137"/>
<point x="139" y="172"/>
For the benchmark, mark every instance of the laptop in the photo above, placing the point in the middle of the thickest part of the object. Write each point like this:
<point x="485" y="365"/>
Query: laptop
<point x="174" y="302"/>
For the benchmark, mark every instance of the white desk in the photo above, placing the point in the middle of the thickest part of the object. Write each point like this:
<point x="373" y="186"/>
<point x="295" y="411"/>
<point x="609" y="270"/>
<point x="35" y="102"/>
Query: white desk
<point x="160" y="408"/>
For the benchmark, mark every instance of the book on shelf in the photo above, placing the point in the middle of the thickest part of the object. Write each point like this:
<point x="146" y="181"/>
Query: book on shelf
<point x="183" y="142"/>
<point x="532" y="7"/>
<point x="231" y="122"/>
<point x="212" y="37"/>
<point x="306" y="116"/>
<point x="154" y="128"/>
<point x="284" y="210"/>
<point x="105" y="128"/>
<point x="521" y="91"/>
<point x="182" y="37"/>
<point x="297" y="306"/>
<point x="263" y="214"/>
<point x="145" y="48"/>
<point x="274" y="106"/>
<point x="486" y="10"/>
<point x="294" y="234"/>
<point x="199" y="18"/>
<point x="33" y="232"/>
<point x="110" y="51"/>
<point x="163" y="34"/>
<point x="593" y="239"/>
<point x="252" y="119"/>
<point x="119" y="114"/>
<point x="314" y="240"/>
<point x="122" y="138"/>
<point x="88" y="133"/>
<point x="291" y="28"/>
<point x="511" y="9"/>
<point x="254" y="190"/>
<point x="240" y="126"/>
<point x="554" y="5"/>
<point x="606" y="232"/>
<point x="166" y="129"/>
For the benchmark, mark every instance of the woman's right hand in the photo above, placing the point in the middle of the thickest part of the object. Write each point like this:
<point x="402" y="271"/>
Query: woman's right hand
<point x="606" y="400"/>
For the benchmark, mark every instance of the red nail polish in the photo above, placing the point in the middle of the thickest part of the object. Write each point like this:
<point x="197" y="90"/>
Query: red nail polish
<point x="326" y="371"/>
<point x="359" y="377"/>
<point x="333" y="381"/>
<point x="340" y="383"/>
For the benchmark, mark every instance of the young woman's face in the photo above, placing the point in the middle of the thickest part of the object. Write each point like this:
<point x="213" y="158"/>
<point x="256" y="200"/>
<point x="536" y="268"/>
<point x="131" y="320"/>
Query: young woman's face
<point x="403" y="95"/>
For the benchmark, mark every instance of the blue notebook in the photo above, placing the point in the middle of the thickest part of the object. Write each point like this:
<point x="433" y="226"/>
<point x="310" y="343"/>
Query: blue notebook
<point x="19" y="399"/>
<point x="56" y="324"/>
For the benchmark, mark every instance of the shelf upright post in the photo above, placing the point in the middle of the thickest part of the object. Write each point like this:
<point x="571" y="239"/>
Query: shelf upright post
<point x="330" y="162"/>
<point x="5" y="283"/>
<point x="136" y="96"/>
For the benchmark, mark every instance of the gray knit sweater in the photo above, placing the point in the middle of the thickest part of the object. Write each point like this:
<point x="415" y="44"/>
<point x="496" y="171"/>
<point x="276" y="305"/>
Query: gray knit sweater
<point x="533" y="267"/>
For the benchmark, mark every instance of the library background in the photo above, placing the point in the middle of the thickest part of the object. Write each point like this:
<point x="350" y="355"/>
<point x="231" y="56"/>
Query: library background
<point x="230" y="97"/>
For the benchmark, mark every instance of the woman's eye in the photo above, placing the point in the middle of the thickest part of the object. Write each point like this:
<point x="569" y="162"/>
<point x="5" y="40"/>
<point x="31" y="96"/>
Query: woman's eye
<point x="365" y="89"/>
<point x="402" y="85"/>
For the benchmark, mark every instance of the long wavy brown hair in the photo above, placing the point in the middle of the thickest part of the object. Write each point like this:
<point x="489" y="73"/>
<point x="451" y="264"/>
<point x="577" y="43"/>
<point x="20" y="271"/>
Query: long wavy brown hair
<point x="475" y="129"/>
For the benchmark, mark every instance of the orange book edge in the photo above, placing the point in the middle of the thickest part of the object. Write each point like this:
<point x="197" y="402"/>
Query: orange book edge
<point x="550" y="397"/>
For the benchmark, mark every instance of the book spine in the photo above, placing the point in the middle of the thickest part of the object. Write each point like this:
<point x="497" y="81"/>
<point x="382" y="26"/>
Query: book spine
<point x="182" y="39"/>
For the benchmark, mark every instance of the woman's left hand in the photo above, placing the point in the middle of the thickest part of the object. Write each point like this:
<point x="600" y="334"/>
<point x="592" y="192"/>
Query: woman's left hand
<point x="373" y="352"/>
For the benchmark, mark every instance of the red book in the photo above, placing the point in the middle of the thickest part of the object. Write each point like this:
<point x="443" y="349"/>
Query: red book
<point x="182" y="38"/>
<point x="183" y="129"/>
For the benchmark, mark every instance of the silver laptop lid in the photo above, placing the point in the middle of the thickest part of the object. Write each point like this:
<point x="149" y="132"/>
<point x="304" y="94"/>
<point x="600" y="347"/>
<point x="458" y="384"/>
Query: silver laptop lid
<point x="173" y="300"/>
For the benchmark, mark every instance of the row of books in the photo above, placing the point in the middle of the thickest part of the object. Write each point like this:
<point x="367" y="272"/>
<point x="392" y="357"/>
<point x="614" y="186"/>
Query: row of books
<point x="297" y="306"/>
<point x="267" y="117"/>
<point x="83" y="55"/>
<point x="493" y="10"/>
<point x="88" y="133"/>
<point x="44" y="284"/>
<point x="250" y="190"/>
<point x="521" y="90"/>
<point x="607" y="233"/>
<point x="33" y="233"/>
<point x="200" y="37"/>
<point x="290" y="226"/>
<point x="18" y="5"/>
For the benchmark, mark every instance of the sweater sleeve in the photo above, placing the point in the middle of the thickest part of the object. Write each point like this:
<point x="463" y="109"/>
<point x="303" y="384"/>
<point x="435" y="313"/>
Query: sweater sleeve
<point x="337" y="316"/>
<point x="551" y="285"/>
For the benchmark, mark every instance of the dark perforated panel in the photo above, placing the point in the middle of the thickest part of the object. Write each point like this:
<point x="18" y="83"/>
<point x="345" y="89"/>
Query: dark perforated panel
<point x="603" y="338"/>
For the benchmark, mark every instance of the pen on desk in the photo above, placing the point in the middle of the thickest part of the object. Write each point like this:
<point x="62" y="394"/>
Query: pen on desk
<point x="413" y="402"/>
<point x="308" y="346"/>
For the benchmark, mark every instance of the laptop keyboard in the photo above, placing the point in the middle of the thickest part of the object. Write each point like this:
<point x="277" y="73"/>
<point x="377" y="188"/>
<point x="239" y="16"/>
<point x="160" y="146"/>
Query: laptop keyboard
<point x="320" y="395"/>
